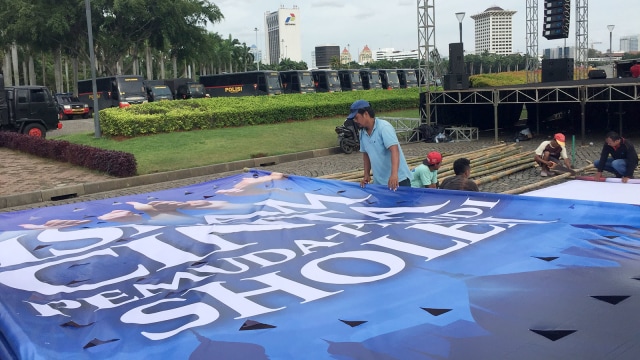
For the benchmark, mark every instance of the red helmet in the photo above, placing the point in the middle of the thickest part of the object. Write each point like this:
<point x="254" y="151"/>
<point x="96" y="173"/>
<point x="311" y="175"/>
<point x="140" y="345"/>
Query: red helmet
<point x="434" y="158"/>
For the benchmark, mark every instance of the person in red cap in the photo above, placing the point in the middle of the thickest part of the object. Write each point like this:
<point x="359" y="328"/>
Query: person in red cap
<point x="426" y="174"/>
<point x="550" y="152"/>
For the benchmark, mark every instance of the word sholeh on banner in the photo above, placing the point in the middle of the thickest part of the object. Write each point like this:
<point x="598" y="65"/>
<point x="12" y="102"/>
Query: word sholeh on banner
<point x="166" y="279"/>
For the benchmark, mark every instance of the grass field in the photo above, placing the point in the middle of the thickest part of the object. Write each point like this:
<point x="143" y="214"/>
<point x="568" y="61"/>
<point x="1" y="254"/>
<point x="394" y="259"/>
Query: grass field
<point x="183" y="150"/>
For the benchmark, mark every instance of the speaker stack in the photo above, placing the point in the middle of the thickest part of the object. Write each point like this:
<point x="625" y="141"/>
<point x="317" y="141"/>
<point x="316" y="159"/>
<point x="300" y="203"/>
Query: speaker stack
<point x="457" y="78"/>
<point x="557" y="69"/>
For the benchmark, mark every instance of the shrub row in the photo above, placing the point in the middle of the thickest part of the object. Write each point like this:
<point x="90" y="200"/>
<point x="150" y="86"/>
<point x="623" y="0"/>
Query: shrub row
<point x="219" y="112"/>
<point x="498" y="79"/>
<point x="114" y="163"/>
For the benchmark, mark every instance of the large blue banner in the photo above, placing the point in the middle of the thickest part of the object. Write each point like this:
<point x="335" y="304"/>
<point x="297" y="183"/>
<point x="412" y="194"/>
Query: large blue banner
<point x="261" y="266"/>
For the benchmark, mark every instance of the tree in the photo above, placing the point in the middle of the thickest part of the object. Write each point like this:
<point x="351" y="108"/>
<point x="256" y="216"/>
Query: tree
<point x="335" y="63"/>
<point x="288" y="64"/>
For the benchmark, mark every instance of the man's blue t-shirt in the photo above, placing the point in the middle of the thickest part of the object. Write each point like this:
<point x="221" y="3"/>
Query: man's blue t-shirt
<point x="377" y="146"/>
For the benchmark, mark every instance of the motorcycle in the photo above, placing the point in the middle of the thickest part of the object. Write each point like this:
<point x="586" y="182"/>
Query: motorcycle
<point x="348" y="136"/>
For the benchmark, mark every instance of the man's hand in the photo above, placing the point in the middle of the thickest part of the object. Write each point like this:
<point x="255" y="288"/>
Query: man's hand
<point x="625" y="179"/>
<point x="393" y="182"/>
<point x="365" y="180"/>
<point x="598" y="176"/>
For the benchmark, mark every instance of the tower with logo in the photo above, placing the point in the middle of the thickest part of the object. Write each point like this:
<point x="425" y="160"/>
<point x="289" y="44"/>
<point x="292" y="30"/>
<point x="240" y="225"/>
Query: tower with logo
<point x="283" y="35"/>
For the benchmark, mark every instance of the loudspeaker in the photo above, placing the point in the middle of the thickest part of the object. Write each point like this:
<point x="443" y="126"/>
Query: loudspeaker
<point x="557" y="69"/>
<point x="456" y="58"/>
<point x="597" y="74"/>
<point x="456" y="82"/>
<point x="557" y="18"/>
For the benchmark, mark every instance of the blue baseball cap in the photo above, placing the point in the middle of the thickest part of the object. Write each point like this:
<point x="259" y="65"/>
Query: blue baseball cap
<point x="358" y="105"/>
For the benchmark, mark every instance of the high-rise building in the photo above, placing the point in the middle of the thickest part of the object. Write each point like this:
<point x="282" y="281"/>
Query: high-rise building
<point x="283" y="35"/>
<point x="257" y="54"/>
<point x="493" y="31"/>
<point x="629" y="43"/>
<point x="324" y="54"/>
<point x="366" y="56"/>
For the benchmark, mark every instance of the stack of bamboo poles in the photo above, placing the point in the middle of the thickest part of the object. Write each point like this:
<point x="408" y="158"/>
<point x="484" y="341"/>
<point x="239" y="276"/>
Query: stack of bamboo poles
<point x="488" y="164"/>
<point x="501" y="158"/>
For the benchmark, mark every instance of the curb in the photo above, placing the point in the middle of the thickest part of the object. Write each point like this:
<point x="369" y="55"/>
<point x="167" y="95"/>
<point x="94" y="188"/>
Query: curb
<point x="76" y="190"/>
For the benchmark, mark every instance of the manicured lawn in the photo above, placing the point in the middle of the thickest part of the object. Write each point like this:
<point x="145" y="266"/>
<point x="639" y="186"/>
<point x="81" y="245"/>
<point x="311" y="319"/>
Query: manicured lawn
<point x="182" y="150"/>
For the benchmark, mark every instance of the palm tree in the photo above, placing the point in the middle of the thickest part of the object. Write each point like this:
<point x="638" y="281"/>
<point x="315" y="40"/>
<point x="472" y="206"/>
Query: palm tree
<point x="334" y="63"/>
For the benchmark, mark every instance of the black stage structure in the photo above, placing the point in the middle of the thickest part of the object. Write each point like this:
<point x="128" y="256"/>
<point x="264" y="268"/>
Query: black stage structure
<point x="587" y="105"/>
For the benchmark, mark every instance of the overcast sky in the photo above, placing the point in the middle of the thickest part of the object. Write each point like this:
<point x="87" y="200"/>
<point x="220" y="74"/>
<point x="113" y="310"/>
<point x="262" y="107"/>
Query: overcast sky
<point x="394" y="23"/>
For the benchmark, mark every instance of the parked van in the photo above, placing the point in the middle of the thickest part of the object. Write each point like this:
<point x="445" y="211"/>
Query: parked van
<point x="370" y="79"/>
<point x="185" y="88"/>
<point x="408" y="78"/>
<point x="297" y="81"/>
<point x="113" y="91"/>
<point x="389" y="79"/>
<point x="326" y="80"/>
<point x="350" y="80"/>
<point x="242" y="84"/>
<point x="157" y="90"/>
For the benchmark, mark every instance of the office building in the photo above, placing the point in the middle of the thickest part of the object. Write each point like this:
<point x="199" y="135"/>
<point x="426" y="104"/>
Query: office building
<point x="392" y="54"/>
<point x="283" y="35"/>
<point x="493" y="31"/>
<point x="324" y="54"/>
<point x="257" y="54"/>
<point x="629" y="43"/>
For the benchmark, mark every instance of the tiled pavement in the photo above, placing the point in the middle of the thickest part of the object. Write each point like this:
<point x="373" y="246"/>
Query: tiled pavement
<point x="20" y="173"/>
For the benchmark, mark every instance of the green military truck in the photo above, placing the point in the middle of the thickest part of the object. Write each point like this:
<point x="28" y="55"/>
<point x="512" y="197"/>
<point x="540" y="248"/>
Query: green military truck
<point x="28" y="110"/>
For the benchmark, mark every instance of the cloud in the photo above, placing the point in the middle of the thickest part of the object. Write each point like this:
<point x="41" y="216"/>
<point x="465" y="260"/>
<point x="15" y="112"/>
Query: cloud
<point x="327" y="4"/>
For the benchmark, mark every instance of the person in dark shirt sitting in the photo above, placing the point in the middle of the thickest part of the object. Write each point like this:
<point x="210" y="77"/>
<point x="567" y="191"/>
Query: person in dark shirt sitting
<point x="618" y="156"/>
<point x="462" y="169"/>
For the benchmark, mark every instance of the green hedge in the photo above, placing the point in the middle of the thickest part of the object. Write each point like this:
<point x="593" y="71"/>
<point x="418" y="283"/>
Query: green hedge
<point x="219" y="112"/>
<point x="498" y="79"/>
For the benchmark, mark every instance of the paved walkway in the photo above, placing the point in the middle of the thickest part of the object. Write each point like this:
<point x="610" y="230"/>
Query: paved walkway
<point x="20" y="173"/>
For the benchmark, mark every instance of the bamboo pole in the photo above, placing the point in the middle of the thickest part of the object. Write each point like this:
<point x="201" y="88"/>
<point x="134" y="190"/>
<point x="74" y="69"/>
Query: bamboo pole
<point x="492" y="158"/>
<point x="478" y="173"/>
<point x="539" y="184"/>
<point x="502" y="174"/>
<point x="499" y="165"/>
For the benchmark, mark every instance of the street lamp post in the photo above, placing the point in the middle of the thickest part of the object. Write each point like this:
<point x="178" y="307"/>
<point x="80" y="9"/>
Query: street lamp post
<point x="92" y="57"/>
<point x="256" y="54"/>
<point x="610" y="27"/>
<point x="460" y="16"/>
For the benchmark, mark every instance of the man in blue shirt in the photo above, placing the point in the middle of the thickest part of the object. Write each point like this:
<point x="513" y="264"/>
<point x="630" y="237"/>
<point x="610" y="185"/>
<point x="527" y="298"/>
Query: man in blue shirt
<point x="380" y="149"/>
